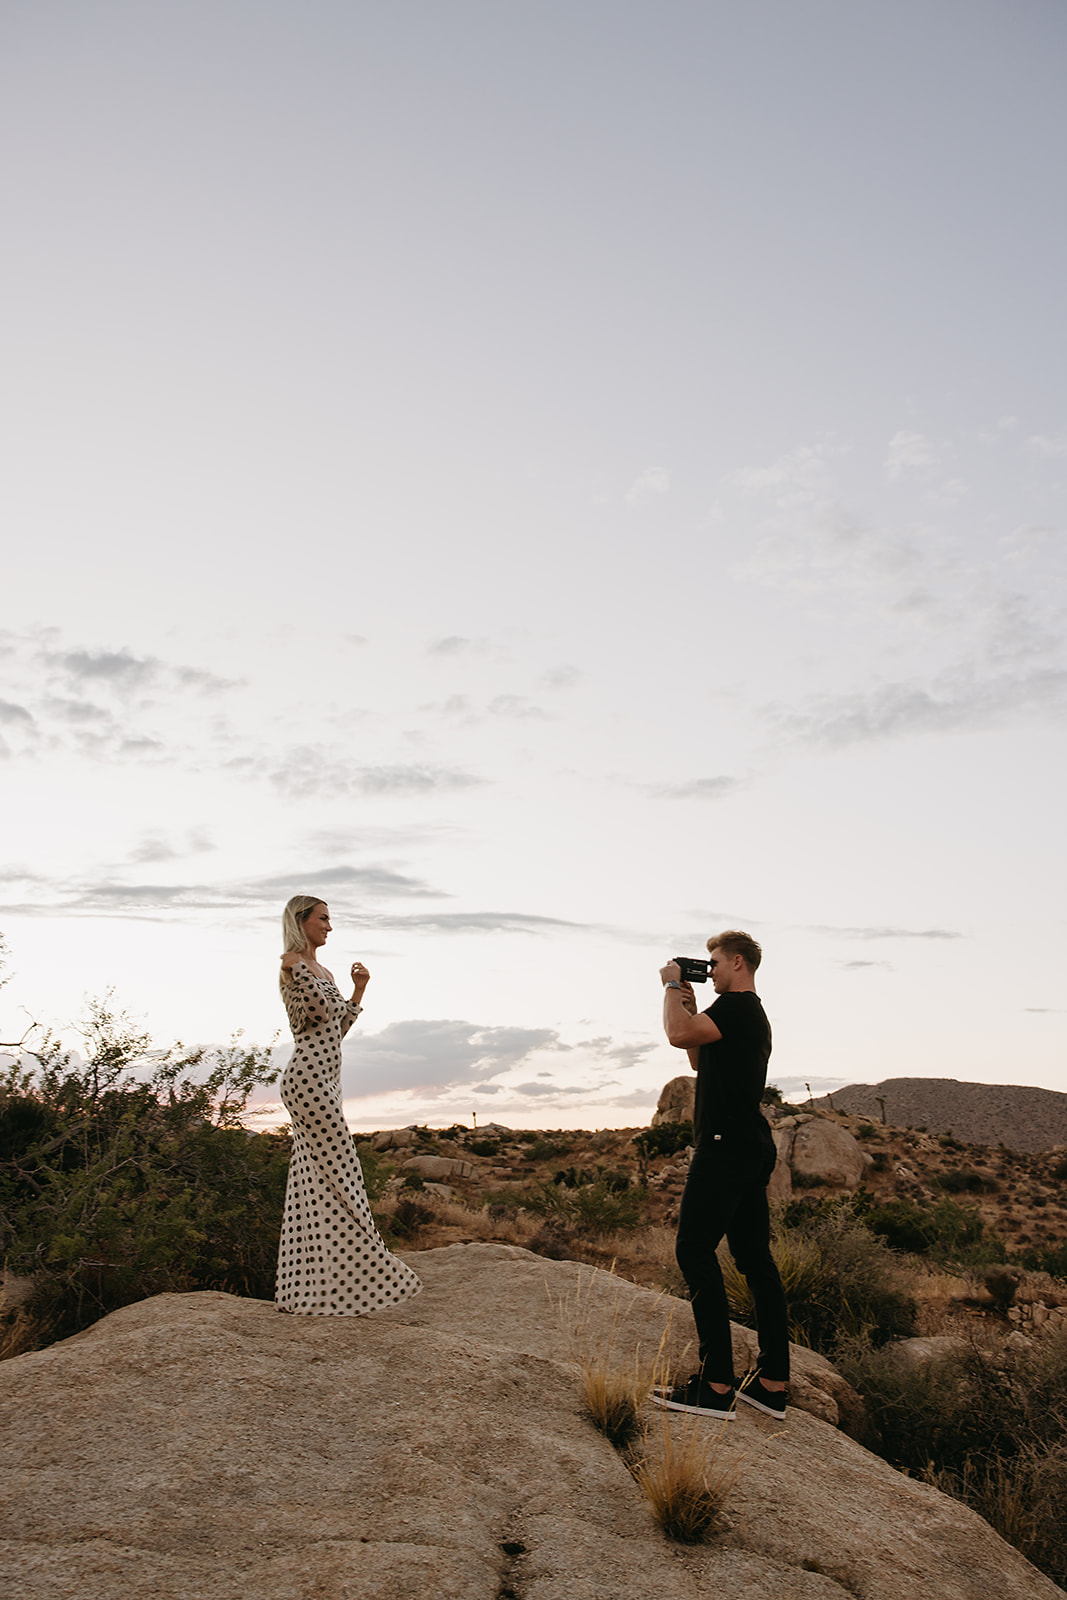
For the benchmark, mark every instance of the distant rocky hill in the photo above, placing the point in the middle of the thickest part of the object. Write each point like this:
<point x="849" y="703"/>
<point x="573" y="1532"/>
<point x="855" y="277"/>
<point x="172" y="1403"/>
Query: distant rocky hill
<point x="978" y="1113"/>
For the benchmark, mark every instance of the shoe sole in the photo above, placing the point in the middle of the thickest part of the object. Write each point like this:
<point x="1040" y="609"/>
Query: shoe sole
<point x="696" y="1411"/>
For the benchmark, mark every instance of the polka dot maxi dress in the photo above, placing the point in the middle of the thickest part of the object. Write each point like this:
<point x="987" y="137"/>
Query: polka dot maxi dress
<point x="332" y="1260"/>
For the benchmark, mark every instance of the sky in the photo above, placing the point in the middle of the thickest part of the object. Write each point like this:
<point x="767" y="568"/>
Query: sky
<point x="557" y="481"/>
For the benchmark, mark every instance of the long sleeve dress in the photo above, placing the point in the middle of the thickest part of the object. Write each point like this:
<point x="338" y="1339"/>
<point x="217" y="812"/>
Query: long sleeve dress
<point x="332" y="1260"/>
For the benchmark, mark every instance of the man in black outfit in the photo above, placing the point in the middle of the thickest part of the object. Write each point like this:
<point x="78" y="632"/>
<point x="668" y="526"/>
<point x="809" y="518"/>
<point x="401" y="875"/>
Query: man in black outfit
<point x="726" y="1191"/>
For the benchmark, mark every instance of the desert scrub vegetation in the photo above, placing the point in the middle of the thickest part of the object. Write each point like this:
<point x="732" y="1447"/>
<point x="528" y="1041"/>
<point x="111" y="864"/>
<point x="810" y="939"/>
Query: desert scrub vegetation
<point x="988" y="1427"/>
<point x="839" y="1277"/>
<point x="130" y="1173"/>
<point x="614" y="1385"/>
<point x="584" y="1209"/>
<point x="946" y="1231"/>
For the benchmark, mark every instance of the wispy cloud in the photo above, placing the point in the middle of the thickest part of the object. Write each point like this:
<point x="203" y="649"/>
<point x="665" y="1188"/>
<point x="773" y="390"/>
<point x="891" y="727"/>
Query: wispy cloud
<point x="100" y="704"/>
<point x="562" y="677"/>
<point x="437" y="1055"/>
<point x="453" y="645"/>
<point x="156" y="847"/>
<point x="894" y="710"/>
<point x="110" y="895"/>
<point x="317" y="769"/>
<point x="798" y="478"/>
<point x="883" y="932"/>
<point x="1050" y="447"/>
<point x="834" y="548"/>
<point x="462" y="708"/>
<point x="694" y="789"/>
<point x="476" y="922"/>
<point x="653" y="480"/>
<point x="908" y="449"/>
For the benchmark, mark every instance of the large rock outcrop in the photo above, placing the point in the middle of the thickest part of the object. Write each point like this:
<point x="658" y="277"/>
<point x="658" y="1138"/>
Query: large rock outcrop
<point x="676" y="1102"/>
<point x="813" y="1151"/>
<point x="204" y="1447"/>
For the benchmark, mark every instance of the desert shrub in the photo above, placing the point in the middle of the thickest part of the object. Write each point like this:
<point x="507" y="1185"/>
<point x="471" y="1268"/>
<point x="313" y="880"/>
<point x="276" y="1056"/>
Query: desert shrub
<point x="573" y="1177"/>
<point x="484" y="1147"/>
<point x="408" y="1216"/>
<point x="838" y="1277"/>
<point x="960" y="1180"/>
<point x="502" y="1203"/>
<point x="1051" y="1258"/>
<point x="901" y="1223"/>
<point x="993" y="1433"/>
<point x="945" y="1231"/>
<point x="591" y="1209"/>
<point x="665" y="1140"/>
<point x="1059" y="1170"/>
<point x="547" y="1149"/>
<point x="131" y="1173"/>
<point x="866" y="1130"/>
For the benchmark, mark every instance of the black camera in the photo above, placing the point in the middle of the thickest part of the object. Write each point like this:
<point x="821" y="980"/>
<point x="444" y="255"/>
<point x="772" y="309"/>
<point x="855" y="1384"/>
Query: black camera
<point x="692" y="970"/>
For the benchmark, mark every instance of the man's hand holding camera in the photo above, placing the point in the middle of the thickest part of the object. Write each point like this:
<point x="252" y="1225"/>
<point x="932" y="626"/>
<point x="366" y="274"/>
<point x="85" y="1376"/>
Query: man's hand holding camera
<point x="672" y="974"/>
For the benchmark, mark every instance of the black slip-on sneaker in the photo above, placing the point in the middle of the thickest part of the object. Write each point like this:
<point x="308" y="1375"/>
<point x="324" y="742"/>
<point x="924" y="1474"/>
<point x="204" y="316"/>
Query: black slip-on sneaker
<point x="697" y="1397"/>
<point x="754" y="1393"/>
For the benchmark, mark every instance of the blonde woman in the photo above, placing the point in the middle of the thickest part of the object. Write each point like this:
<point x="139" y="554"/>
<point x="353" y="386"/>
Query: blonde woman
<point x="332" y="1260"/>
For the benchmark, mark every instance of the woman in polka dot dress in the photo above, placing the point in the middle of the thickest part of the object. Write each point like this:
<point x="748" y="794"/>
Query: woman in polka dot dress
<point x="332" y="1261"/>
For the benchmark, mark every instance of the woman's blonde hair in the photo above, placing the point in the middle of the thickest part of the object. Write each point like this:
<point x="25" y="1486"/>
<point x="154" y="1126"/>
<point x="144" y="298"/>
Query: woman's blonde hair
<point x="294" y="916"/>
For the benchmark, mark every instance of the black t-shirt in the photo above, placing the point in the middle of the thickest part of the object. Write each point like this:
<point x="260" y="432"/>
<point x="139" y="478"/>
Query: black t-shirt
<point x="731" y="1078"/>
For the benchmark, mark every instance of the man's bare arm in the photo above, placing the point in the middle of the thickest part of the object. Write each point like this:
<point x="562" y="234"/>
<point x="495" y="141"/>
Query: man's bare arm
<point x="685" y="1027"/>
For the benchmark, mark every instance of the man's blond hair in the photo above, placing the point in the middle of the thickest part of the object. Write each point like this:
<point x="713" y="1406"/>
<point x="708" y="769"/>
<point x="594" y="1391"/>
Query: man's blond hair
<point x="735" y="943"/>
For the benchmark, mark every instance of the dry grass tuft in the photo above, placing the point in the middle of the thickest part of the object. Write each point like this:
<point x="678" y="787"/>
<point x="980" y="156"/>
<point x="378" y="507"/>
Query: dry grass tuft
<point x="21" y="1332"/>
<point x="614" y="1387"/>
<point x="676" y="1469"/>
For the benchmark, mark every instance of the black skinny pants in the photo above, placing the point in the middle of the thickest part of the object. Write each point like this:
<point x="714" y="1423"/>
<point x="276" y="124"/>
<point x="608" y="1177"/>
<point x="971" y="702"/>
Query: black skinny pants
<point x="713" y="1204"/>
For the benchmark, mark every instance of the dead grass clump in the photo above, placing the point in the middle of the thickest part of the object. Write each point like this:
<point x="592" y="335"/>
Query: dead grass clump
<point x="614" y="1386"/>
<point x="613" y="1397"/>
<point x="676" y="1469"/>
<point x="22" y="1331"/>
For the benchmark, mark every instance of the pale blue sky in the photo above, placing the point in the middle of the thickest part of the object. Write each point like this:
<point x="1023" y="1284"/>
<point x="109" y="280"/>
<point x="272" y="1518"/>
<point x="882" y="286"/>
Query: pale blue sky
<point x="558" y="479"/>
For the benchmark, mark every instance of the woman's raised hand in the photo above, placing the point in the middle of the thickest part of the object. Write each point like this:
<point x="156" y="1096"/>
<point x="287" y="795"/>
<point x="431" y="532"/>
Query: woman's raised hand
<point x="360" y="980"/>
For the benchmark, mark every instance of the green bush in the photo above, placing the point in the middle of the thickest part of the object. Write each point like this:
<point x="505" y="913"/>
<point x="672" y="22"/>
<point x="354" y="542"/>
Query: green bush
<point x="132" y="1174"/>
<point x="665" y="1140"/>
<point x="484" y="1147"/>
<point x="591" y="1209"/>
<point x="1050" y="1258"/>
<point x="548" y="1149"/>
<point x="839" y="1278"/>
<point x="960" y="1180"/>
<point x="946" y="1231"/>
